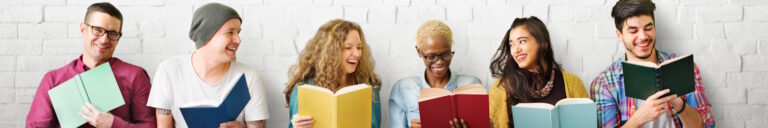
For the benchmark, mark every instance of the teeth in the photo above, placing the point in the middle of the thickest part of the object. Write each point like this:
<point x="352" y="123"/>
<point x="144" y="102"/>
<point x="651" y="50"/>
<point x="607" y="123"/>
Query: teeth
<point x="643" y="44"/>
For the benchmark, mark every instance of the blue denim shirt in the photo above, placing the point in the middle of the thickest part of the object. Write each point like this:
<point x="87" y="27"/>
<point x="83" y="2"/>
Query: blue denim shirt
<point x="404" y="98"/>
<point x="293" y="104"/>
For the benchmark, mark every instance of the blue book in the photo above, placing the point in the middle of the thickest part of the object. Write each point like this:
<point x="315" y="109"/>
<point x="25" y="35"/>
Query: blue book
<point x="566" y="113"/>
<point x="210" y="115"/>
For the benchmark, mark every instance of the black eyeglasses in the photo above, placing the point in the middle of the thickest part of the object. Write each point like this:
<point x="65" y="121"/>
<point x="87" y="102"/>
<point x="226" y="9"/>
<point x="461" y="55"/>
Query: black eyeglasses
<point x="100" y="31"/>
<point x="445" y="56"/>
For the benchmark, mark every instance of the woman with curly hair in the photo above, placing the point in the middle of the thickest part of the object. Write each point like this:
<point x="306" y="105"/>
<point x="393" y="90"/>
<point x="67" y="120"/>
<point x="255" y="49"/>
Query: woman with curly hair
<point x="336" y="57"/>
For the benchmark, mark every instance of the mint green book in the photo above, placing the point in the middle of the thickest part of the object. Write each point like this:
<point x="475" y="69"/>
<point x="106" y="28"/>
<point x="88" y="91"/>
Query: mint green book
<point x="643" y="79"/>
<point x="566" y="113"/>
<point x="97" y="86"/>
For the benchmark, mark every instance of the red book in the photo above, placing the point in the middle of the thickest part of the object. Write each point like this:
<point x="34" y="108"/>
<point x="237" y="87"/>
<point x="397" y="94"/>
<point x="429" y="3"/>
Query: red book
<point x="469" y="102"/>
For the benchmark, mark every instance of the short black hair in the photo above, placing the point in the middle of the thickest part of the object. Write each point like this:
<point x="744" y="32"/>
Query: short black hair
<point x="107" y="8"/>
<point x="630" y="8"/>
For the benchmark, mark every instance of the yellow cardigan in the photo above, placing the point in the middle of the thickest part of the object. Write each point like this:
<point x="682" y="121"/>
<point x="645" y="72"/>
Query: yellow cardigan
<point x="497" y="97"/>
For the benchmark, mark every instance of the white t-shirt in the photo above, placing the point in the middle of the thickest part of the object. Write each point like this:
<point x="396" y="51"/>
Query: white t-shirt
<point x="176" y="84"/>
<point x="664" y="120"/>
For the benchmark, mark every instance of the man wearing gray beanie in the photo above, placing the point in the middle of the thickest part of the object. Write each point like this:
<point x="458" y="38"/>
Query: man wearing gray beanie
<point x="208" y="74"/>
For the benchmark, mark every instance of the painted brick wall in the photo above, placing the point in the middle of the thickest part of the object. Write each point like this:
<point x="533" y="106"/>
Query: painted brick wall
<point x="728" y="37"/>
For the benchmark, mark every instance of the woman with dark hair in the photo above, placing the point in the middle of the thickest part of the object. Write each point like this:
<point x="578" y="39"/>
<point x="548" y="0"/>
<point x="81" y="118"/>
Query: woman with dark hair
<point x="527" y="72"/>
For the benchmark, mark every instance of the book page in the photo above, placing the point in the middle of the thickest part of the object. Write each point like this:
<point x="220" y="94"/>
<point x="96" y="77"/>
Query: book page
<point x="536" y="105"/>
<point x="431" y="93"/>
<point x="643" y="63"/>
<point x="674" y="60"/>
<point x="316" y="88"/>
<point x="471" y="89"/>
<point x="351" y="88"/>
<point x="567" y="101"/>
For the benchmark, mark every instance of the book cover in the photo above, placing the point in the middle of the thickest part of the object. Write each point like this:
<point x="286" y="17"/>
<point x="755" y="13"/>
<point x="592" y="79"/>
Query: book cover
<point x="208" y="114"/>
<point x="642" y="79"/>
<point x="469" y="102"/>
<point x="349" y="107"/>
<point x="566" y="113"/>
<point x="96" y="86"/>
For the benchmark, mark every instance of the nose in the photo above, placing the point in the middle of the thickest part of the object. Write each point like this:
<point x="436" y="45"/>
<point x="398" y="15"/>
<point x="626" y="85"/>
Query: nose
<point x="102" y="39"/>
<point x="357" y="52"/>
<point x="643" y="36"/>
<point x="236" y="39"/>
<point x="517" y="49"/>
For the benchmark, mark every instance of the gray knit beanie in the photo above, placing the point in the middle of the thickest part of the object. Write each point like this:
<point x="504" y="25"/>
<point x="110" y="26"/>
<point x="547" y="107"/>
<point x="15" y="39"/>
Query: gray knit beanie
<point x="208" y="19"/>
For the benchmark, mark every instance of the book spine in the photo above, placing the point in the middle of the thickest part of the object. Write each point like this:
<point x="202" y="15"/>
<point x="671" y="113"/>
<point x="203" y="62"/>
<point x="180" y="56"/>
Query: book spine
<point x="335" y="112"/>
<point x="81" y="87"/>
<point x="659" y="84"/>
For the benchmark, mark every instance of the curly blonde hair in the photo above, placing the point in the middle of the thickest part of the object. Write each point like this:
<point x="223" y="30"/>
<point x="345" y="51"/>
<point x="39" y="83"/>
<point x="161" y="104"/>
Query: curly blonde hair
<point x="433" y="29"/>
<point x="321" y="59"/>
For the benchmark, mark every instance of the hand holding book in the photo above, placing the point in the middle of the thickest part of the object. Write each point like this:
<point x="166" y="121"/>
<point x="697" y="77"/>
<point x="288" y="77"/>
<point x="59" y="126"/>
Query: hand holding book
<point x="654" y="106"/>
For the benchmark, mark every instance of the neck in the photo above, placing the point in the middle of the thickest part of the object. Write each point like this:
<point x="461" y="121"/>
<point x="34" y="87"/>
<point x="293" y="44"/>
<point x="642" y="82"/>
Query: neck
<point x="345" y="80"/>
<point x="535" y="69"/>
<point x="438" y="82"/>
<point x="207" y="70"/>
<point x="90" y="62"/>
<point x="652" y="58"/>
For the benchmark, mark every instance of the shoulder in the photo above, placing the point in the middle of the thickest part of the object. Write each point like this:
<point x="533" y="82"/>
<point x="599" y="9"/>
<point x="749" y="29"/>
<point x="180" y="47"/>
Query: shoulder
<point x="467" y="79"/>
<point x="610" y="72"/>
<point x="412" y="81"/>
<point x="570" y="76"/>
<point x="174" y="64"/>
<point x="247" y="70"/>
<point x="122" y="66"/>
<point x="60" y="74"/>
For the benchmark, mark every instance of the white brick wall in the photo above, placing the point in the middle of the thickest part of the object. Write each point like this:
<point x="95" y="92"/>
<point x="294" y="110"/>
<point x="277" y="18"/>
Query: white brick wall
<point x="728" y="37"/>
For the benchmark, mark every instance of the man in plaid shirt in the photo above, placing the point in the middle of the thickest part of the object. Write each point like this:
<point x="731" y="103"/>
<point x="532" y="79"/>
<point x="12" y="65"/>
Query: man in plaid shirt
<point x="635" y="27"/>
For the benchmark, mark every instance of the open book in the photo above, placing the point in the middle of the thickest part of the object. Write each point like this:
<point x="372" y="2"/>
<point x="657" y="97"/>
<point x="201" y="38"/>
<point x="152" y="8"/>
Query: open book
<point x="349" y="107"/>
<point x="643" y="79"/>
<point x="469" y="102"/>
<point x="209" y="114"/>
<point x="566" y="113"/>
<point x="97" y="86"/>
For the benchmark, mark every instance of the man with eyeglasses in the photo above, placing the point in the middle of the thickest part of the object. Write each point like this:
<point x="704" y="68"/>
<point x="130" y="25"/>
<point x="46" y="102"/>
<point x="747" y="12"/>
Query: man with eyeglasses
<point x="433" y="44"/>
<point x="101" y="30"/>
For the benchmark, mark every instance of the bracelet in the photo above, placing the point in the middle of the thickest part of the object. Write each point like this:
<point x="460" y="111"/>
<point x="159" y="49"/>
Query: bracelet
<point x="681" y="110"/>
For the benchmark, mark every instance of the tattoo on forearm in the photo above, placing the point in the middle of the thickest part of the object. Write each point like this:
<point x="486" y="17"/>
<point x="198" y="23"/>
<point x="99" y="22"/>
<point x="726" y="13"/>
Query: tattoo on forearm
<point x="163" y="111"/>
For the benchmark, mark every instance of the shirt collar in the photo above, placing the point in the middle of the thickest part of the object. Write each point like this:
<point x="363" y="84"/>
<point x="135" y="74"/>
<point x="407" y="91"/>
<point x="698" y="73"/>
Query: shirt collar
<point x="81" y="67"/>
<point x="448" y="86"/>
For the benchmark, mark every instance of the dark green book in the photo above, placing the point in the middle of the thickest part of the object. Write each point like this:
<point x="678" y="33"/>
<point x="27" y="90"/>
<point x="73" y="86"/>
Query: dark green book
<point x="643" y="79"/>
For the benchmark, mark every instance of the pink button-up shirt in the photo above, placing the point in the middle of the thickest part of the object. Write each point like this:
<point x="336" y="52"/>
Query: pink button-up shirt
<point x="132" y="80"/>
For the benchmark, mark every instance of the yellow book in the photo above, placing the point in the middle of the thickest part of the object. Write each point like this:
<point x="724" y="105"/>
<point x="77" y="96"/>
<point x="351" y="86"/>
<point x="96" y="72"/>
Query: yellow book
<point x="349" y="107"/>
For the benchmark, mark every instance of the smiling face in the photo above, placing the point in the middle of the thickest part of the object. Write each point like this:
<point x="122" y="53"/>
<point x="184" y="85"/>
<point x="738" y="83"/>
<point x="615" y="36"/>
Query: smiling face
<point x="435" y="47"/>
<point x="639" y="37"/>
<point x="523" y="47"/>
<point x="99" y="48"/>
<point x="224" y="43"/>
<point x="351" y="51"/>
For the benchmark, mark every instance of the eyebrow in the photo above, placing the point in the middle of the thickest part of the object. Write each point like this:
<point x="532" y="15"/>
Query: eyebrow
<point x="649" y="24"/>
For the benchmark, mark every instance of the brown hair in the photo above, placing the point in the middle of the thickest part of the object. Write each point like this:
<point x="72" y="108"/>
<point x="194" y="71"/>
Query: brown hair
<point x="107" y="8"/>
<point x="321" y="59"/>
<point x="630" y="8"/>
<point x="518" y="82"/>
